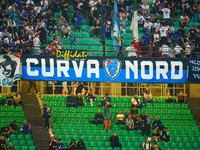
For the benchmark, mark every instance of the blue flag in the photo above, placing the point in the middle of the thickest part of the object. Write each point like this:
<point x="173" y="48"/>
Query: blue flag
<point x="116" y="27"/>
<point x="74" y="42"/>
<point x="103" y="24"/>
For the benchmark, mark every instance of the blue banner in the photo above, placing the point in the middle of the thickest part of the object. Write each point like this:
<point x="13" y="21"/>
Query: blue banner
<point x="137" y="70"/>
<point x="194" y="70"/>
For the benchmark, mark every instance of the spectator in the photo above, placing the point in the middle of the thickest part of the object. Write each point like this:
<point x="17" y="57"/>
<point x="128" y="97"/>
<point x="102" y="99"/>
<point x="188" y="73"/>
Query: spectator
<point x="156" y="134"/>
<point x="66" y="31"/>
<point x="165" y="135"/>
<point x="64" y="10"/>
<point x="107" y="121"/>
<point x="11" y="25"/>
<point x="94" y="13"/>
<point x="106" y="101"/>
<point x="120" y="118"/>
<point x="196" y="11"/>
<point x="32" y="84"/>
<point x="188" y="50"/>
<point x="51" y="25"/>
<point x="26" y="128"/>
<point x="5" y="33"/>
<point x="81" y="145"/>
<point x="156" y="25"/>
<point x="99" y="118"/>
<point x="164" y="34"/>
<point x="96" y="28"/>
<point x="37" y="10"/>
<point x="23" y="15"/>
<point x="157" y="124"/>
<point x="78" y="19"/>
<point x="129" y="123"/>
<point x="154" y="146"/>
<point x="122" y="26"/>
<point x="52" y="144"/>
<point x="142" y="118"/>
<point x="11" y="147"/>
<point x="156" y="6"/>
<point x="147" y="38"/>
<point x="29" y="29"/>
<point x="166" y="13"/>
<point x="114" y="141"/>
<point x="42" y="32"/>
<point x="177" y="51"/>
<point x="3" y="143"/>
<point x="184" y="21"/>
<point x="36" y="42"/>
<point x="137" y="123"/>
<point x="60" y="145"/>
<point x="44" y="5"/>
<point x="134" y="112"/>
<point x="127" y="114"/>
<point x="192" y="33"/>
<point x="79" y="87"/>
<point x="146" y="145"/>
<point x="131" y="51"/>
<point x="13" y="127"/>
<point x="181" y="98"/>
<point x="145" y="8"/>
<point x="168" y="98"/>
<point x="148" y="26"/>
<point x="71" y="100"/>
<point x="79" y="100"/>
<point x="9" y="99"/>
<point x="141" y="20"/>
<point x="61" y="22"/>
<point x="72" y="145"/>
<point x="46" y="113"/>
<point x="165" y="50"/>
<point x="108" y="30"/>
<point x="146" y="128"/>
<point x="187" y="9"/>
<point x="135" y="102"/>
<point x="123" y="15"/>
<point x="148" y="96"/>
<point x="6" y="132"/>
<point x="90" y="97"/>
<point x="17" y="100"/>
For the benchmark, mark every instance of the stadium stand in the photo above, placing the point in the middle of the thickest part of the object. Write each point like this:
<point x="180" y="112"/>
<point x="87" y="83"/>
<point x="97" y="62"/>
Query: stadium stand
<point x="8" y="114"/>
<point x="75" y="123"/>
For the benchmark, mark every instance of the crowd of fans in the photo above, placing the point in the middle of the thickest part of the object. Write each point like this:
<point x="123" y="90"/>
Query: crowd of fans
<point x="30" y="22"/>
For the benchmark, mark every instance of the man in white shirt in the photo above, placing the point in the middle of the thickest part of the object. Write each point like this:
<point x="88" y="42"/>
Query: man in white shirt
<point x="157" y="24"/>
<point x="166" y="12"/>
<point x="146" y="145"/>
<point x="148" y="25"/>
<point x="17" y="100"/>
<point x="141" y="20"/>
<point x="184" y="20"/>
<point x="135" y="102"/>
<point x="164" y="34"/>
<point x="120" y="118"/>
<point x="66" y="30"/>
<point x="131" y="50"/>
<point x="177" y="51"/>
<point x="145" y="8"/>
<point x="36" y="43"/>
<point x="188" y="50"/>
<point x="165" y="50"/>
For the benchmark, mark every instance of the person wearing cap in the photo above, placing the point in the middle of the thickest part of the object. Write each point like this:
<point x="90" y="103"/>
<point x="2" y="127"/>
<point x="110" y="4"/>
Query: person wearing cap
<point x="165" y="135"/>
<point x="9" y="99"/>
<point x="148" y="96"/>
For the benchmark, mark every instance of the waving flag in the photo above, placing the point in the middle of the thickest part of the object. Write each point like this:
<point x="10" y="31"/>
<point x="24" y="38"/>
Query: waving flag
<point x="116" y="27"/>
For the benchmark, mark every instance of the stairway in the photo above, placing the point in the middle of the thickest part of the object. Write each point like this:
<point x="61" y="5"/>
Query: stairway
<point x="32" y="113"/>
<point x="194" y="105"/>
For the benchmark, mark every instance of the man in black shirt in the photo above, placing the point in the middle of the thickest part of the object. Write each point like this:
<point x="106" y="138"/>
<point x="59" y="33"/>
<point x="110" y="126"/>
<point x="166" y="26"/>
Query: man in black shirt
<point x="137" y="123"/>
<point x="41" y="31"/>
<point x="165" y="135"/>
<point x="51" y="25"/>
<point x="9" y="99"/>
<point x="79" y="88"/>
<point x="96" y="28"/>
<point x="52" y="144"/>
<point x="142" y="117"/>
<point x="114" y="141"/>
<point x="64" y="9"/>
<point x="155" y="134"/>
<point x="134" y="112"/>
<point x="99" y="118"/>
<point x="3" y="143"/>
<point x="71" y="100"/>
<point x="193" y="32"/>
<point x="13" y="127"/>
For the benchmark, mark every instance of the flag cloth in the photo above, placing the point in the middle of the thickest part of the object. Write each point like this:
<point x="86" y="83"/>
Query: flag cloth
<point x="74" y="42"/>
<point x="116" y="27"/>
<point x="134" y="28"/>
<point x="103" y="25"/>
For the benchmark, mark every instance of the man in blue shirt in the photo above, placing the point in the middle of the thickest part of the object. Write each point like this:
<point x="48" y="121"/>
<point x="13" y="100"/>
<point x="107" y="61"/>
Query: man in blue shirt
<point x="147" y="38"/>
<point x="60" y="145"/>
<point x="78" y="19"/>
<point x="46" y="112"/>
<point x="24" y="15"/>
<point x="26" y="128"/>
<point x="147" y="124"/>
<point x="106" y="100"/>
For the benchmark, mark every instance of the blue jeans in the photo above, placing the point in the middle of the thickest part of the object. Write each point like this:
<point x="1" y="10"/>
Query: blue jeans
<point x="196" y="17"/>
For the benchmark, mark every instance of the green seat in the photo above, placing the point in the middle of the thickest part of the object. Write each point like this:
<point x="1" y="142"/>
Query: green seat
<point x="188" y="145"/>
<point x="92" y="143"/>
<point x="72" y="109"/>
<point x="85" y="35"/>
<point x="18" y="108"/>
<point x="181" y="145"/>
<point x="20" y="137"/>
<point x="100" y="144"/>
<point x="11" y="108"/>
<point x="195" y="145"/>
<point x="22" y="142"/>
<point x="173" y="145"/>
<point x="31" y="147"/>
<point x="30" y="143"/>
<point x="73" y="131"/>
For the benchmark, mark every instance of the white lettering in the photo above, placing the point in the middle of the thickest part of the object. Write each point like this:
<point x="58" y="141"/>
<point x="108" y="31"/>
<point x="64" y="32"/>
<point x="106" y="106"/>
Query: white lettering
<point x="91" y="70"/>
<point x="44" y="72"/>
<point x="78" y="71"/>
<point x="180" y="71"/>
<point x="63" y="69"/>
<point x="35" y="62"/>
<point x="134" y="68"/>
<point x="143" y="74"/>
<point x="162" y="71"/>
